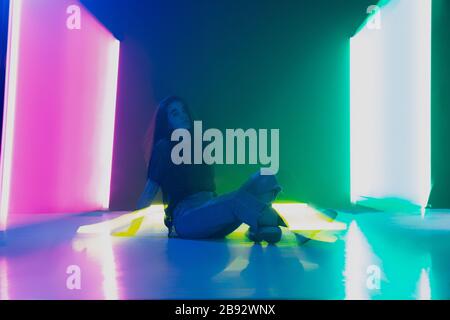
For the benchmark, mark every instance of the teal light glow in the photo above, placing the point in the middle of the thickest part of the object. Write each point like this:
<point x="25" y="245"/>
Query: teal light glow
<point x="9" y="111"/>
<point x="391" y="105"/>
<point x="359" y="257"/>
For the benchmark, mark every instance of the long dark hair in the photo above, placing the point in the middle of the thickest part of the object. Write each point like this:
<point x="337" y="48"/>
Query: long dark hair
<point x="159" y="127"/>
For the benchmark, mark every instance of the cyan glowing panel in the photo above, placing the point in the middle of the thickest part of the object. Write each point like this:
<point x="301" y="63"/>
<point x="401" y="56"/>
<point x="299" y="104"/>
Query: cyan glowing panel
<point x="59" y="109"/>
<point x="390" y="104"/>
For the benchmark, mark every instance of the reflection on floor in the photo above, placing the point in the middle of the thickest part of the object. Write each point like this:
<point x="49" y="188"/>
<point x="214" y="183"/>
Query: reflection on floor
<point x="375" y="256"/>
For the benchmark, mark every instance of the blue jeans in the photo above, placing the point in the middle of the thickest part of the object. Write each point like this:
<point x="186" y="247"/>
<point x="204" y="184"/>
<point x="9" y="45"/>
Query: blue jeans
<point x="205" y="215"/>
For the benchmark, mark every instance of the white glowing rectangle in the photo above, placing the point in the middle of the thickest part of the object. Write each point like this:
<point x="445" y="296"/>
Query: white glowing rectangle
<point x="12" y="62"/>
<point x="391" y="104"/>
<point x="59" y="114"/>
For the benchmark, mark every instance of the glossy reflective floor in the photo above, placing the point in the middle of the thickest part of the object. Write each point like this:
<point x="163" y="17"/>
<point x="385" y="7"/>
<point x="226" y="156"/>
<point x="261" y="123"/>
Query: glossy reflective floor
<point x="376" y="256"/>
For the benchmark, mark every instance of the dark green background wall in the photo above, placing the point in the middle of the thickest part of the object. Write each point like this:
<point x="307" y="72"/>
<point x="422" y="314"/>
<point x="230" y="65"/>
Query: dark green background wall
<point x="240" y="64"/>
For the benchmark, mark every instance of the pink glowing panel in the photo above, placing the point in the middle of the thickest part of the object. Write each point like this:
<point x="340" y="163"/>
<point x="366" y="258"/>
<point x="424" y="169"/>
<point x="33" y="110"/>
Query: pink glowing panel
<point x="59" y="110"/>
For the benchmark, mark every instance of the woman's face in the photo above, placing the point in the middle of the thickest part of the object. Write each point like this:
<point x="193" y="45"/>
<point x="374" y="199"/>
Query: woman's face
<point x="177" y="116"/>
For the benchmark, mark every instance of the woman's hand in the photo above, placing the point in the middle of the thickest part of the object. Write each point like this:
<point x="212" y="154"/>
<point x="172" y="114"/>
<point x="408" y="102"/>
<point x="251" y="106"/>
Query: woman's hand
<point x="148" y="195"/>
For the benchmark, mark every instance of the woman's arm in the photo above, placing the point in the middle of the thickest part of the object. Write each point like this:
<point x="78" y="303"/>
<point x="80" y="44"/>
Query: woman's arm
<point x="147" y="196"/>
